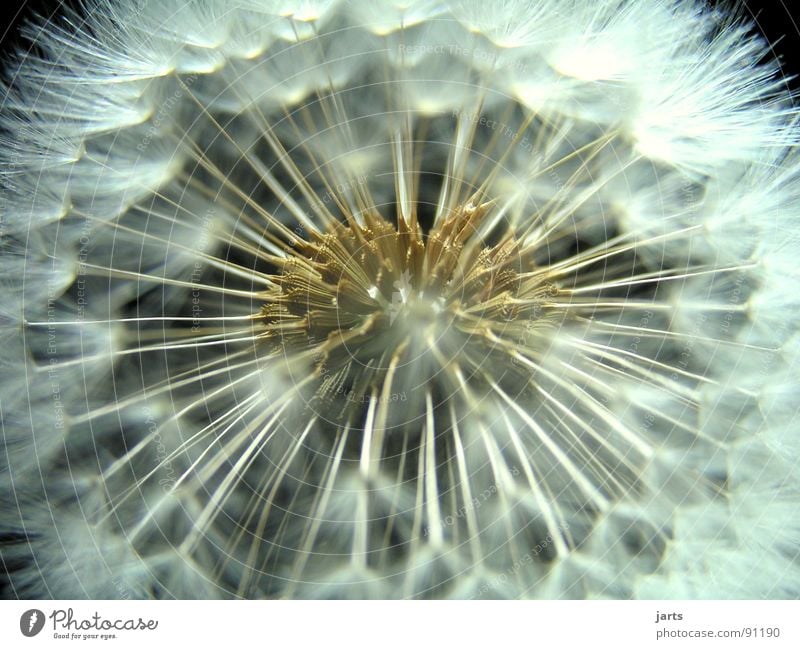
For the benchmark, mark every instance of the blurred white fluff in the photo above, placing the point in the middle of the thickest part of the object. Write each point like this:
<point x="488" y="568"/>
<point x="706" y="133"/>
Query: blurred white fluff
<point x="154" y="157"/>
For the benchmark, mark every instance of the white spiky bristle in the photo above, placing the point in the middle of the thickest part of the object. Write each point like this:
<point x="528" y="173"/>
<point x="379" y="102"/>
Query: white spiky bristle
<point x="399" y="299"/>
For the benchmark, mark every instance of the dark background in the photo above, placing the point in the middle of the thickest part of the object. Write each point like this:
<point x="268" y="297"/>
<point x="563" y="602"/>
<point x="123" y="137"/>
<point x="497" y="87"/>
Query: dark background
<point x="780" y="24"/>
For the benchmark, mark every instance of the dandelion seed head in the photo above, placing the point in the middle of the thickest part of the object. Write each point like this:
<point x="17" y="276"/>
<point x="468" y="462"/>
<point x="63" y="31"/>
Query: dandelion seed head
<point x="414" y="299"/>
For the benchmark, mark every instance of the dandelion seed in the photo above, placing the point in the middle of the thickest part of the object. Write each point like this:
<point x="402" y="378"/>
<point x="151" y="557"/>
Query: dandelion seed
<point x="310" y="299"/>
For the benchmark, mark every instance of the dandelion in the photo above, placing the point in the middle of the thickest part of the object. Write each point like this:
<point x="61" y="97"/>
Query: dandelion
<point x="399" y="299"/>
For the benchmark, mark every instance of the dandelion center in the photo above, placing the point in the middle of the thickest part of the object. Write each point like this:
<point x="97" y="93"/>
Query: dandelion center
<point x="369" y="298"/>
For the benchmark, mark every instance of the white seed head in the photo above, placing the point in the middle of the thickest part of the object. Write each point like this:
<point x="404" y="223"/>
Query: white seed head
<point x="399" y="299"/>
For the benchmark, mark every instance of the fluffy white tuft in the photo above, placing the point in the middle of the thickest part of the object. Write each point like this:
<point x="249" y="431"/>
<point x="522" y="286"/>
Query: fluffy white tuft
<point x="400" y="299"/>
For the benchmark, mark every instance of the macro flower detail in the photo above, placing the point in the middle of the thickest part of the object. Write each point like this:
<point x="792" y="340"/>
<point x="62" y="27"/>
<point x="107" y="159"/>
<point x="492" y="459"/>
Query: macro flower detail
<point x="399" y="299"/>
